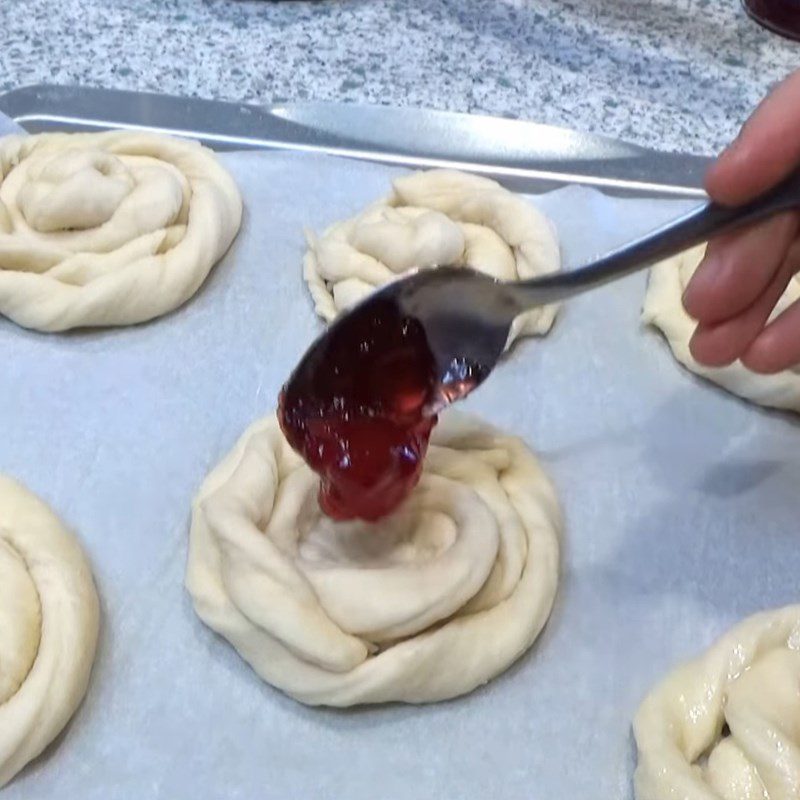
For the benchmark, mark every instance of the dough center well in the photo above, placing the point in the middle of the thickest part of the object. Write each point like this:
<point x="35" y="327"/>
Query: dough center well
<point x="412" y="537"/>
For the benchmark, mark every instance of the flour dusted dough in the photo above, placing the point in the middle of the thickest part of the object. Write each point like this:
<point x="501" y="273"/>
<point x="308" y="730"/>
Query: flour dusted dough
<point x="663" y="308"/>
<point x="435" y="218"/>
<point x="425" y="605"/>
<point x="108" y="229"/>
<point x="49" y="621"/>
<point x="727" y="726"/>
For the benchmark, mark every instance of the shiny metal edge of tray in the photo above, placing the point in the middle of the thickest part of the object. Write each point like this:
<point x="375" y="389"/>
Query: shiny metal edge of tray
<point x="525" y="156"/>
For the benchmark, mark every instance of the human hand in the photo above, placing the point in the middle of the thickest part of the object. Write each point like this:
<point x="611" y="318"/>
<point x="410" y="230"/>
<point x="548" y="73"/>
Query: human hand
<point x="745" y="273"/>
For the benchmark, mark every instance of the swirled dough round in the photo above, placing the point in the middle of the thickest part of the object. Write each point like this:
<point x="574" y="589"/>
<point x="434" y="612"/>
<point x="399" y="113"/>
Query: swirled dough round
<point x="727" y="726"/>
<point x="49" y="618"/>
<point x="427" y="604"/>
<point x="109" y="228"/>
<point x="435" y="218"/>
<point x="663" y="308"/>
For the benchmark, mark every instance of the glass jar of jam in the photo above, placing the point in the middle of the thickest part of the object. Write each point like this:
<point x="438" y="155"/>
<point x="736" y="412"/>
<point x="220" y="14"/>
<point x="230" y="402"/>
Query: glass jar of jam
<point x="781" y="16"/>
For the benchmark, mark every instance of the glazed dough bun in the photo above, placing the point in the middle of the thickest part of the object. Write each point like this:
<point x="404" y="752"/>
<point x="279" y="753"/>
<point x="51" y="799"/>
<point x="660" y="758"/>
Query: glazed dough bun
<point x="727" y="725"/>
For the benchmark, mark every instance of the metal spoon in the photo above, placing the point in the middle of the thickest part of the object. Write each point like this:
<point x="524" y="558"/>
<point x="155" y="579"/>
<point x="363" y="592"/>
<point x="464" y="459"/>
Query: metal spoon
<point x="467" y="315"/>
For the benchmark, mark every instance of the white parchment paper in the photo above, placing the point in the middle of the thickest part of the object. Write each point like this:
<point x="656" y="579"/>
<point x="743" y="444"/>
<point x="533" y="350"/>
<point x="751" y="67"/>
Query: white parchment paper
<point x="681" y="508"/>
<point x="8" y="126"/>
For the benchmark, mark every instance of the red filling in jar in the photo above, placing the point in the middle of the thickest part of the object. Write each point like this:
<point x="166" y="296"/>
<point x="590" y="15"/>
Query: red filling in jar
<point x="781" y="16"/>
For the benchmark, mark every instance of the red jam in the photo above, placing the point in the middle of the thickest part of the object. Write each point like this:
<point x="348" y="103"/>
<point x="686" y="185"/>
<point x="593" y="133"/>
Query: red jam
<point x="357" y="409"/>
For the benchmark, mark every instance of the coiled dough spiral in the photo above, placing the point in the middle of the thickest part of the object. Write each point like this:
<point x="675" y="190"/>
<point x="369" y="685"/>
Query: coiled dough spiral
<point x="435" y="218"/>
<point x="663" y="308"/>
<point x="110" y="228"/>
<point x="727" y="726"/>
<point x="49" y="619"/>
<point x="425" y="605"/>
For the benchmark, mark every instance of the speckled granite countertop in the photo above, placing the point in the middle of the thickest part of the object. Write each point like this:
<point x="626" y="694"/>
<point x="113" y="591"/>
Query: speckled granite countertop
<point x="674" y="74"/>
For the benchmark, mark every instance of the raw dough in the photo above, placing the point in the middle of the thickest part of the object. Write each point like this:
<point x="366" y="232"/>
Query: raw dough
<point x="110" y="228"/>
<point x="435" y="218"/>
<point x="428" y="604"/>
<point x="49" y="618"/>
<point x="663" y="308"/>
<point x="727" y="726"/>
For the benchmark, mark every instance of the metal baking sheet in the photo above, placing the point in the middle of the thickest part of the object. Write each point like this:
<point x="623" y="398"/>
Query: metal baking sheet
<point x="679" y="503"/>
<point x="525" y="156"/>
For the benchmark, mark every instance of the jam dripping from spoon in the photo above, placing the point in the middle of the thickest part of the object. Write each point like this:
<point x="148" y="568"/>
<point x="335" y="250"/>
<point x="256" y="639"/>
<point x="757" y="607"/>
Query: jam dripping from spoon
<point x="362" y="403"/>
<point x="360" y="409"/>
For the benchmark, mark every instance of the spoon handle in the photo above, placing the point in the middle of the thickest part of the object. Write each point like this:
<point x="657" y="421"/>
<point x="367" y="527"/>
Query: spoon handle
<point x="696" y="226"/>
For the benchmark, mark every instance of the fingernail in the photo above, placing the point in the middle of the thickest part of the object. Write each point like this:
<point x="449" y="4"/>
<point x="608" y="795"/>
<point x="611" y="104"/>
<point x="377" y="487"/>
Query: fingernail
<point x="698" y="279"/>
<point x="737" y="141"/>
<point x="687" y="302"/>
<point x="732" y="149"/>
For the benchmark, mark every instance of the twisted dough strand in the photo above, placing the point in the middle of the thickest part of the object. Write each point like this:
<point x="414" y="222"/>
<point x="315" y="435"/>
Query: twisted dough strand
<point x="49" y="619"/>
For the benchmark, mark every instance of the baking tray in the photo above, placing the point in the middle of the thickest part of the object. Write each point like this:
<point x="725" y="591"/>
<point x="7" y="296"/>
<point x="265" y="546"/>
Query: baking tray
<point x="525" y="156"/>
<point x="678" y="500"/>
